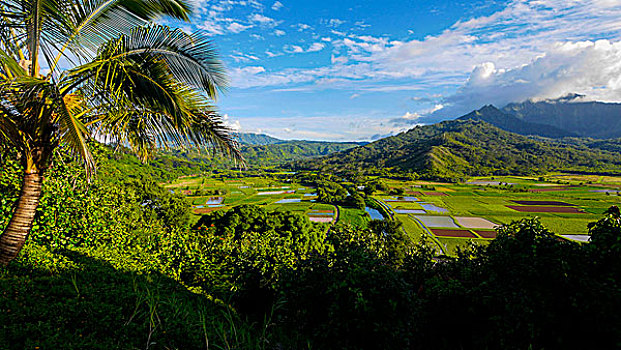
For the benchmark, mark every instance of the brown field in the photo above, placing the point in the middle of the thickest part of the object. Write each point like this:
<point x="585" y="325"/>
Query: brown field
<point x="486" y="234"/>
<point x="205" y="210"/>
<point x="536" y="209"/>
<point x="556" y="203"/>
<point x="452" y="233"/>
<point x="435" y="194"/>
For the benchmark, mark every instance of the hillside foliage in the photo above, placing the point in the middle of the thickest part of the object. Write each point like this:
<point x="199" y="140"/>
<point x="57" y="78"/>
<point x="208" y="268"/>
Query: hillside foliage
<point x="460" y="148"/>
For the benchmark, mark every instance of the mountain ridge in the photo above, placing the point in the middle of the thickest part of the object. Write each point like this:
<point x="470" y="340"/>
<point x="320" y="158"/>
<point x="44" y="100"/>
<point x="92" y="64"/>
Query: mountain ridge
<point x="464" y="147"/>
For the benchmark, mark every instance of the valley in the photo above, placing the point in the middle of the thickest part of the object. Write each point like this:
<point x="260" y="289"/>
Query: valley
<point x="444" y="215"/>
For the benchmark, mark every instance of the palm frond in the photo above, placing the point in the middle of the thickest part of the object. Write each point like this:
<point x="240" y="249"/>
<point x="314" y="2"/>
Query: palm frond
<point x="90" y="23"/>
<point x="191" y="58"/>
<point x="145" y="106"/>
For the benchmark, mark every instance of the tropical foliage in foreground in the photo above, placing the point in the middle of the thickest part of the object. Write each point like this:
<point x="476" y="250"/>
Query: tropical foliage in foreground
<point x="119" y="276"/>
<point x="72" y="70"/>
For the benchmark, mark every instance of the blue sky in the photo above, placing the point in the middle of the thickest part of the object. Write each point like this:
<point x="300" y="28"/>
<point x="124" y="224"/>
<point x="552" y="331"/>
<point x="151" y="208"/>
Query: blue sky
<point x="359" y="70"/>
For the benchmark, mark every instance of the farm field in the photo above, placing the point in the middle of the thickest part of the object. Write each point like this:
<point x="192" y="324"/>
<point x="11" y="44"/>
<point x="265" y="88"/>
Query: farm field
<point x="445" y="215"/>
<point x="455" y="214"/>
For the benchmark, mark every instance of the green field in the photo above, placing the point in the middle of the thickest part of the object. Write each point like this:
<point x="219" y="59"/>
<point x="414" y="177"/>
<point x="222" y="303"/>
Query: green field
<point x="478" y="200"/>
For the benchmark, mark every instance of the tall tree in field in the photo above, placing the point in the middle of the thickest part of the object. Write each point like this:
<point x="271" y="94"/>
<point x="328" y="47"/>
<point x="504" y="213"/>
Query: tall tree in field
<point x="74" y="70"/>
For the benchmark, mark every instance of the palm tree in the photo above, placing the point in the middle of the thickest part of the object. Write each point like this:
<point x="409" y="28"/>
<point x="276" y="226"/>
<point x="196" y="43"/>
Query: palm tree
<point x="77" y="70"/>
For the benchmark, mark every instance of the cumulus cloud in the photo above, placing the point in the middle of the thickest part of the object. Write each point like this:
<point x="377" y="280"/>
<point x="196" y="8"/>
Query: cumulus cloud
<point x="585" y="67"/>
<point x="510" y="38"/>
<point x="234" y="125"/>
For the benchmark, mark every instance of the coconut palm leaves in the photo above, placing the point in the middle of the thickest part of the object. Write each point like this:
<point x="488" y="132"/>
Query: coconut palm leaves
<point x="73" y="70"/>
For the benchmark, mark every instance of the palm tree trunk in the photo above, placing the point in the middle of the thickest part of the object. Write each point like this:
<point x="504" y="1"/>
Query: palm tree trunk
<point x="15" y="234"/>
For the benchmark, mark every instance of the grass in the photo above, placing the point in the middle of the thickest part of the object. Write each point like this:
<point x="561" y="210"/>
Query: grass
<point x="84" y="303"/>
<point x="354" y="217"/>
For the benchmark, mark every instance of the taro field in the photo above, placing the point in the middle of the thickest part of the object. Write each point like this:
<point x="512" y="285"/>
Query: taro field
<point x="445" y="215"/>
<point x="452" y="215"/>
<point x="278" y="193"/>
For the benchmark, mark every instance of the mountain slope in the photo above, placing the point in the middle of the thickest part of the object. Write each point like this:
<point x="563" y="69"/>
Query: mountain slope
<point x="585" y="119"/>
<point x="508" y="122"/>
<point x="259" y="155"/>
<point x="257" y="139"/>
<point x="464" y="147"/>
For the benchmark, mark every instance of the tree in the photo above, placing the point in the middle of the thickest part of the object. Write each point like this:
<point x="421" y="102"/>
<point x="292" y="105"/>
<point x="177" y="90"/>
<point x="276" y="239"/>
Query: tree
<point x="109" y="73"/>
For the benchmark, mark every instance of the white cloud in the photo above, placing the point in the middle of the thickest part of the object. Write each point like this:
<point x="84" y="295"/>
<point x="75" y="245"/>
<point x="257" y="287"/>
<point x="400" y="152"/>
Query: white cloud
<point x="316" y="47"/>
<point x="302" y="27"/>
<point x="242" y="57"/>
<point x="261" y="19"/>
<point x="342" y="127"/>
<point x="279" y="32"/>
<point x="246" y="71"/>
<point x="531" y="48"/>
<point x="235" y="27"/>
<point x="294" y="49"/>
<point x="277" y="6"/>
<point x="334" y="22"/>
<point x="589" y="68"/>
<point x="233" y="125"/>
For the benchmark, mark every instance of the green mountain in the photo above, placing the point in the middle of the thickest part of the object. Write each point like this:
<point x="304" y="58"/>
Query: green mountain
<point x="255" y="155"/>
<point x="508" y="122"/>
<point x="257" y="139"/>
<point x="585" y="119"/>
<point x="465" y="147"/>
<point x="288" y="151"/>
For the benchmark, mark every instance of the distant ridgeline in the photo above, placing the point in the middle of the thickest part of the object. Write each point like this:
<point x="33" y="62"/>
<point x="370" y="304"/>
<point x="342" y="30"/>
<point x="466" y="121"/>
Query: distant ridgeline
<point x="467" y="147"/>
<point x="258" y="150"/>
<point x="564" y="117"/>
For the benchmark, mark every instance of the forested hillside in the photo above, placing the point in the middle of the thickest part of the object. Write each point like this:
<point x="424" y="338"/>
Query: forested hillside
<point x="256" y="155"/>
<point x="455" y="149"/>
<point x="257" y="139"/>
<point x="585" y="119"/>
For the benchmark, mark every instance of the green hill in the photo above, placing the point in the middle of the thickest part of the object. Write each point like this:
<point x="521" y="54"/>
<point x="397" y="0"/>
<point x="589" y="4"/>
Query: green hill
<point x="458" y="148"/>
<point x="257" y="155"/>
<point x="257" y="139"/>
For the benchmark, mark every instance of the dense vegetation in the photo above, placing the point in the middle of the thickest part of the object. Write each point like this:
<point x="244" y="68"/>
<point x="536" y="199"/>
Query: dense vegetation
<point x="257" y="139"/>
<point x="459" y="148"/>
<point x="111" y="265"/>
<point x="257" y="156"/>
